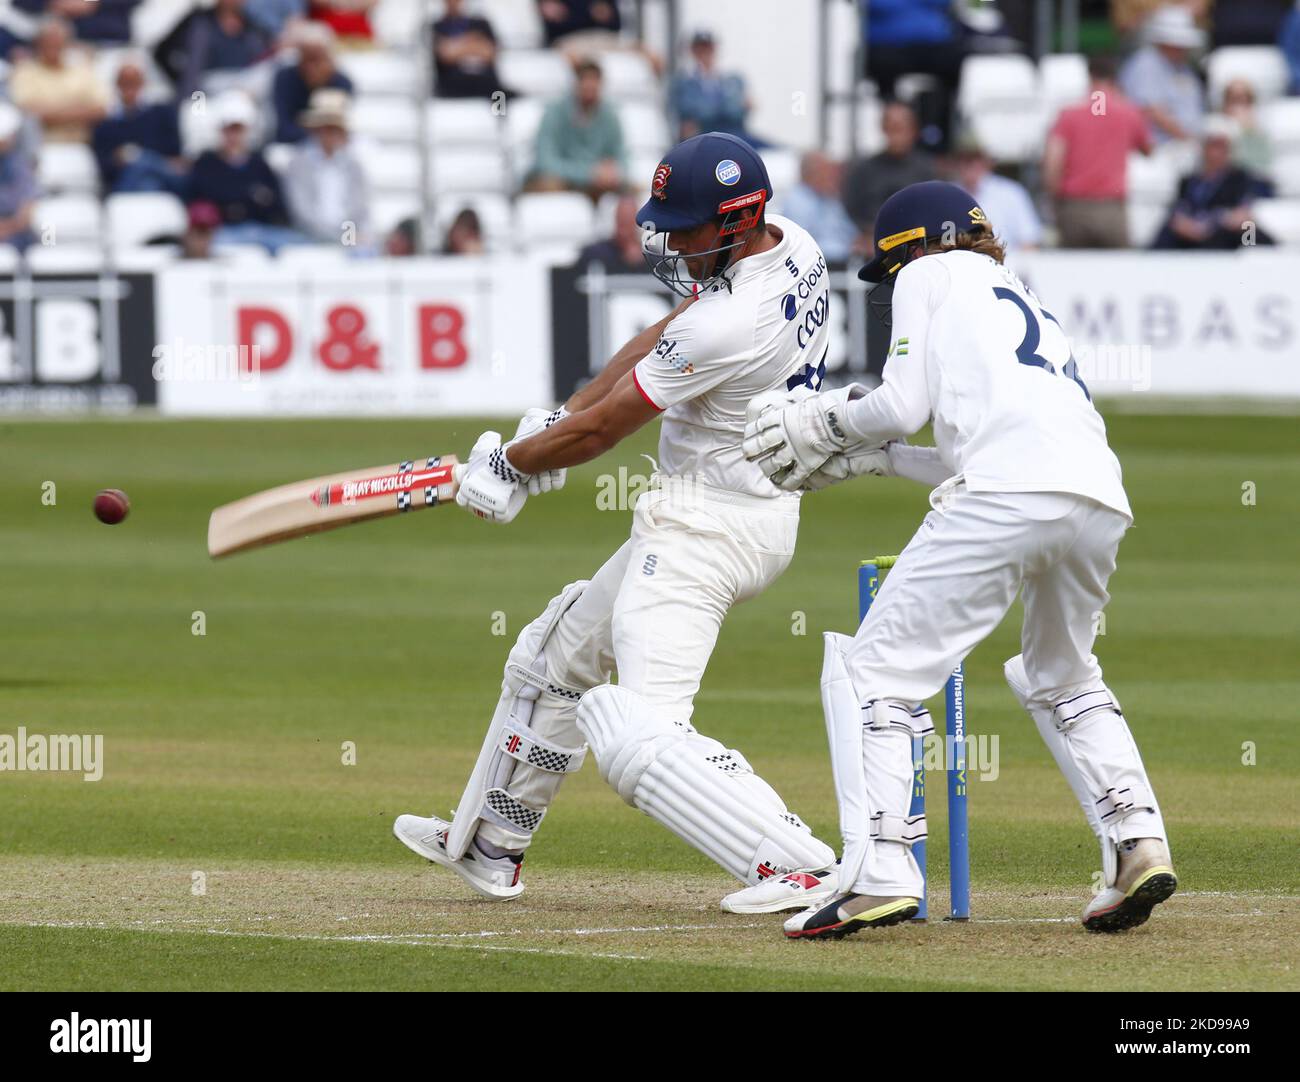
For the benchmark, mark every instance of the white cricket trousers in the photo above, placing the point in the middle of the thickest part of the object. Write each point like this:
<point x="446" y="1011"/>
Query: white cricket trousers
<point x="959" y="576"/>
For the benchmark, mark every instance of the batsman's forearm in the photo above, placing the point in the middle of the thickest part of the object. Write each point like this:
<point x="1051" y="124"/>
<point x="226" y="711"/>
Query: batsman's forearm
<point x="570" y="442"/>
<point x="622" y="362"/>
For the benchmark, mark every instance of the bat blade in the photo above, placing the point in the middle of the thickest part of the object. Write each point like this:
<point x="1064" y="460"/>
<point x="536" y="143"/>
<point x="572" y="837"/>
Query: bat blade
<point x="325" y="503"/>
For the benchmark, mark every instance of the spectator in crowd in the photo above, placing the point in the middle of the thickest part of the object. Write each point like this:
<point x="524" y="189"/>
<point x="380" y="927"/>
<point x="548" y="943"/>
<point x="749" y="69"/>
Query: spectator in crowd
<point x="1160" y="79"/>
<point x="870" y="181"/>
<point x="1247" y="22"/>
<point x="1289" y="42"/>
<point x="1008" y="205"/>
<point x="201" y="226"/>
<point x="238" y="180"/>
<point x="138" y="145"/>
<point x="1253" y="150"/>
<point x="101" y="22"/>
<point x="1129" y="15"/>
<point x="815" y="204"/>
<point x="464" y="235"/>
<point x="274" y="17"/>
<point x="705" y="99"/>
<point x="220" y="39"/>
<point x="17" y="182"/>
<point x="1213" y="205"/>
<point x="623" y="250"/>
<point x="294" y="84"/>
<point x="58" y="86"/>
<point x="403" y="240"/>
<point x="580" y="142"/>
<point x="1085" y="168"/>
<point x="907" y="36"/>
<point x="325" y="186"/>
<point x="465" y="55"/>
<point x="349" y="19"/>
<point x="584" y="24"/>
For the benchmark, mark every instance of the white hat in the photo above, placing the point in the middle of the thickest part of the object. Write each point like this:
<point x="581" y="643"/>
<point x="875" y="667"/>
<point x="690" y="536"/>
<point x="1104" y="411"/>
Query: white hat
<point x="234" y="107"/>
<point x="10" y="120"/>
<point x="1174" y="25"/>
<point x="326" y="106"/>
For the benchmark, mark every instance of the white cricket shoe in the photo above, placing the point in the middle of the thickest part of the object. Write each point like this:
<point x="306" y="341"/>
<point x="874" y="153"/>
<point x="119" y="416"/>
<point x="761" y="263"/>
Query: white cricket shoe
<point x="797" y="890"/>
<point x="1145" y="879"/>
<point x="493" y="877"/>
<point x="845" y="914"/>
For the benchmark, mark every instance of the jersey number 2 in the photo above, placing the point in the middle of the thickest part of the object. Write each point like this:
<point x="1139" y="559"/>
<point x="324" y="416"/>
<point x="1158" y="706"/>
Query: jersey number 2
<point x="1027" y="351"/>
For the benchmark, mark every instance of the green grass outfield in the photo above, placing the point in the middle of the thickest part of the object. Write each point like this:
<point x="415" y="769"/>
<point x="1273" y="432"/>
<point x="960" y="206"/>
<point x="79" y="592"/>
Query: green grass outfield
<point x="228" y="846"/>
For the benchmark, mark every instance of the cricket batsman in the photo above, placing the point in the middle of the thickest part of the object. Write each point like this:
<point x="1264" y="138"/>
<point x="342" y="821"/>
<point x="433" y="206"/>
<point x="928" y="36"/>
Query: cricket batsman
<point x="1030" y="499"/>
<point x="711" y="532"/>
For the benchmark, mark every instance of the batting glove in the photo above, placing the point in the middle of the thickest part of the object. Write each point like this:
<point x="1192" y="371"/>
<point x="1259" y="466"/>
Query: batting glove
<point x="789" y="444"/>
<point x="489" y="486"/>
<point x="532" y="422"/>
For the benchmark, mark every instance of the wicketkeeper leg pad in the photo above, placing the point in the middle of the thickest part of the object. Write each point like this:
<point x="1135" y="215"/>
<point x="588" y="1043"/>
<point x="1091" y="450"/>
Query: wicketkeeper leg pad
<point x="871" y="759"/>
<point x="704" y="793"/>
<point x="521" y="763"/>
<point x="1091" y="743"/>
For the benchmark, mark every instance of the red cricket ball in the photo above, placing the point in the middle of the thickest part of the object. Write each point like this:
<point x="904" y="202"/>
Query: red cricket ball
<point x="111" y="506"/>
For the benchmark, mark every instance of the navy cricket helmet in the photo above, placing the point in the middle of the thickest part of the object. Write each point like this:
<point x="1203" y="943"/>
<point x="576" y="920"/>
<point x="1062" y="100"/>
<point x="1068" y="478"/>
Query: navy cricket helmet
<point x="931" y="210"/>
<point x="712" y="177"/>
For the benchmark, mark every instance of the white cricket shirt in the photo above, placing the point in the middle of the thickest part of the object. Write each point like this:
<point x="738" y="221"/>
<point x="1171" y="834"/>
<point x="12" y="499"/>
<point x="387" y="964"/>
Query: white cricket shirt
<point x="973" y="348"/>
<point x="769" y="330"/>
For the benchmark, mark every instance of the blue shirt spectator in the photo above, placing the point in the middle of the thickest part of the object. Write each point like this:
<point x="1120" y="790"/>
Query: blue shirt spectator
<point x="294" y="85"/>
<point x="707" y="99"/>
<point x="815" y="204"/>
<point x="221" y="39"/>
<point x="138" y="145"/>
<point x="908" y="22"/>
<point x="1160" y="79"/>
<point x="1009" y="207"/>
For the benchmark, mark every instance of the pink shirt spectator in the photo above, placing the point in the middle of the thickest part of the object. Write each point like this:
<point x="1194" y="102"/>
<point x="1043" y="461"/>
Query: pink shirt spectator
<point x="1097" y="147"/>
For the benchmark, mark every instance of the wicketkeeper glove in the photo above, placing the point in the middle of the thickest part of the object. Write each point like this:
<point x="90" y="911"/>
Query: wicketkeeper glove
<point x="791" y="443"/>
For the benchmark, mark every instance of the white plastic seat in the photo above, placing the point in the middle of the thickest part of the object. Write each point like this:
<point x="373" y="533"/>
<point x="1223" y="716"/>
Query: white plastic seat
<point x="10" y="257"/>
<point x="390" y="167"/>
<point x="136" y="217"/>
<point x="383" y="71"/>
<point x="240" y="255"/>
<point x="148" y="257"/>
<point x="305" y="256"/>
<point x="279" y="155"/>
<point x="1263" y="66"/>
<point x="1063" y="79"/>
<point x="996" y="80"/>
<point x="1151" y="179"/>
<point x="627" y="76"/>
<point x="468" y="170"/>
<point x="1286" y="174"/>
<point x="68" y="219"/>
<point x="67" y="167"/>
<point x="1144" y="221"/>
<point x="1009" y="133"/>
<point x="386" y="118"/>
<point x="535" y="72"/>
<point x="523" y="119"/>
<point x="65" y="258"/>
<point x="1279" y="217"/>
<point x="645" y="126"/>
<point x="515" y="23"/>
<point x="782" y="170"/>
<point x="397" y="23"/>
<point x="870" y="140"/>
<point x="1281" y="121"/>
<point x="387" y="211"/>
<point x="152" y="20"/>
<point x="559" y="218"/>
<point x="464" y="122"/>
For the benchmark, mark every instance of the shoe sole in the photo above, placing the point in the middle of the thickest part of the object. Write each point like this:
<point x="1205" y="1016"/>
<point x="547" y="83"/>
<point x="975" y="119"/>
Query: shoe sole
<point x="855" y="924"/>
<point x="443" y="861"/>
<point x="1157" y="886"/>
<point x="801" y="901"/>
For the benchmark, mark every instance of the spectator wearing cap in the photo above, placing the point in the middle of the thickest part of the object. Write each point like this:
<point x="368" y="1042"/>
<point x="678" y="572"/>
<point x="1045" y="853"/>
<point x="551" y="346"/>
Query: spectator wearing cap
<point x="464" y="235"/>
<point x="1213" y="204"/>
<point x="580" y="141"/>
<point x="201" y="226"/>
<point x="293" y="85"/>
<point x="1289" y="42"/>
<point x="138" y="145"/>
<point x="623" y="250"/>
<point x="870" y="181"/>
<point x="221" y="39"/>
<point x="1008" y="205"/>
<point x="464" y="55"/>
<point x="349" y="19"/>
<point x="1085" y="167"/>
<point x="706" y="99"/>
<point x="17" y="182"/>
<point x="325" y="185"/>
<point x="1159" y="77"/>
<point x="587" y="24"/>
<point x="239" y="182"/>
<point x="1253" y="150"/>
<point x="815" y="204"/>
<point x="58" y="86"/>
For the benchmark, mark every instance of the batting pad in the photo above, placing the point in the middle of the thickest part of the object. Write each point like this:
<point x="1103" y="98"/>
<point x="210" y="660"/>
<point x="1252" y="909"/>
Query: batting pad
<point x="703" y="792"/>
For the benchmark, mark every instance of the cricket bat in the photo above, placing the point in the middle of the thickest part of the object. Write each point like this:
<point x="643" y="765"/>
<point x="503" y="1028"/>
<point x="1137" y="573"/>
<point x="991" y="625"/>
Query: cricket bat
<point x="325" y="503"/>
